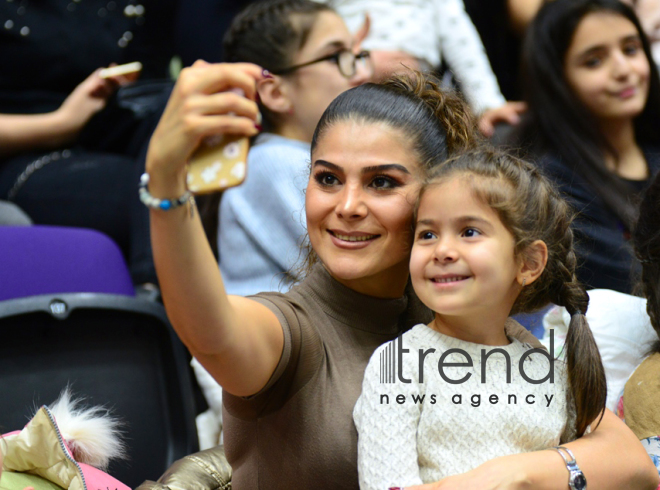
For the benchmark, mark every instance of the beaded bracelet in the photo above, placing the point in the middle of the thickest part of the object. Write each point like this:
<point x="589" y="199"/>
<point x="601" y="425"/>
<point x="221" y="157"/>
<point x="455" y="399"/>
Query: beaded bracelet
<point x="162" y="204"/>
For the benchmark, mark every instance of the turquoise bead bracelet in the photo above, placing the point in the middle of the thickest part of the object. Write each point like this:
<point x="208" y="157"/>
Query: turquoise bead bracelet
<point x="162" y="204"/>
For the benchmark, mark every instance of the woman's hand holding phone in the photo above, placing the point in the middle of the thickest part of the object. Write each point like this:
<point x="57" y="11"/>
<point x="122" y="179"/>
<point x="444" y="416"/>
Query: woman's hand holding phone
<point x="202" y="105"/>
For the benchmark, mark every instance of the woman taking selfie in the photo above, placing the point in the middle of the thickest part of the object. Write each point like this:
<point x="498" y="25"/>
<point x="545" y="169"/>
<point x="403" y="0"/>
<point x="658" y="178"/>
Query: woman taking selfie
<point x="292" y="364"/>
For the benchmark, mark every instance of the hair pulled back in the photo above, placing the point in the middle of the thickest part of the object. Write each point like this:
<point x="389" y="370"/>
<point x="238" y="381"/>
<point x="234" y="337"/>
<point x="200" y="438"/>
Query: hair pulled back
<point x="270" y="33"/>
<point x="531" y="209"/>
<point x="558" y="121"/>
<point x="646" y="240"/>
<point x="437" y="123"/>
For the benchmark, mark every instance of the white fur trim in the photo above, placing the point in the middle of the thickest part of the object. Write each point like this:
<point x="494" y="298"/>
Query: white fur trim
<point x="92" y="434"/>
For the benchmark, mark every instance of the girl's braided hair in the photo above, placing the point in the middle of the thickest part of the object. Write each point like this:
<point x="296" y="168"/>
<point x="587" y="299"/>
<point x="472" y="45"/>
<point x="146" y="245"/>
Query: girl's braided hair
<point x="531" y="209"/>
<point x="270" y="33"/>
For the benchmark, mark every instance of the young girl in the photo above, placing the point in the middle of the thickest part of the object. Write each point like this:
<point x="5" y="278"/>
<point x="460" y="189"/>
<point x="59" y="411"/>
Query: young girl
<point x="492" y="238"/>
<point x="594" y="98"/>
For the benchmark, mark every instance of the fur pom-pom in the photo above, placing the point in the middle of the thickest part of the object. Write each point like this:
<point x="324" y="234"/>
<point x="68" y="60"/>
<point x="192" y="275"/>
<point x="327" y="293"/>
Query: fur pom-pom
<point x="92" y="434"/>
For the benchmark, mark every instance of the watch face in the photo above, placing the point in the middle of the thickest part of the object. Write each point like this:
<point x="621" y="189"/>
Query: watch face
<point x="578" y="481"/>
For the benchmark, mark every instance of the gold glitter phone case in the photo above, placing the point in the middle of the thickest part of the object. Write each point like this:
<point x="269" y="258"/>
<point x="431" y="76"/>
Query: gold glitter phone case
<point x="219" y="163"/>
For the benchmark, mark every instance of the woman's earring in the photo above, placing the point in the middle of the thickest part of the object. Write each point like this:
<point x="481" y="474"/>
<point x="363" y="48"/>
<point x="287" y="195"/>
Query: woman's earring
<point x="524" y="281"/>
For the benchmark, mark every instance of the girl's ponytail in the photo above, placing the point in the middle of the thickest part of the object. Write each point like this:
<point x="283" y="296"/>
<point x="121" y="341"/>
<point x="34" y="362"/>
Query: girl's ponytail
<point x="586" y="375"/>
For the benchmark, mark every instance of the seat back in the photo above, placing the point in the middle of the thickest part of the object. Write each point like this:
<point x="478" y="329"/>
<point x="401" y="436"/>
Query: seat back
<point x="113" y="350"/>
<point x="37" y="260"/>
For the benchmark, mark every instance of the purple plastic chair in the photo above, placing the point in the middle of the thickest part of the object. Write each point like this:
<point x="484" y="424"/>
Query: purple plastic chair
<point x="38" y="260"/>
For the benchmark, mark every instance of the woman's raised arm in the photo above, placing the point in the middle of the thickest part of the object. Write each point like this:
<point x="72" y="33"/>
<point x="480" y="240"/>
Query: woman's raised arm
<point x="611" y="458"/>
<point x="239" y="341"/>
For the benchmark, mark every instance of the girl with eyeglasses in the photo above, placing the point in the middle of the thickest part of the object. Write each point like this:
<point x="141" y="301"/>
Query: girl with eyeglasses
<point x="308" y="51"/>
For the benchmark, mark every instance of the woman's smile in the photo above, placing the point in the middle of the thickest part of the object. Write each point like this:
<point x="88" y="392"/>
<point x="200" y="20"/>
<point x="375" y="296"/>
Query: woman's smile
<point x="359" y="205"/>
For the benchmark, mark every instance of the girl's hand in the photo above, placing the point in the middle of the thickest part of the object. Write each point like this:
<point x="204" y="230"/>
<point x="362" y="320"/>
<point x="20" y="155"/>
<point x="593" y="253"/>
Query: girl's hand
<point x="508" y="113"/>
<point x="200" y="106"/>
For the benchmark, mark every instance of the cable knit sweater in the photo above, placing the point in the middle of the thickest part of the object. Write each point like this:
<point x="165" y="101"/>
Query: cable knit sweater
<point x="409" y="442"/>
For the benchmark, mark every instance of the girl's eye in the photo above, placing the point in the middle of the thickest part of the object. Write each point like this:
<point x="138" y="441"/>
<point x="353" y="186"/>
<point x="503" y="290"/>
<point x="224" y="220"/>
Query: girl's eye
<point x="592" y="62"/>
<point x="471" y="232"/>
<point x="326" y="179"/>
<point x="631" y="49"/>
<point x="382" y="182"/>
<point x="426" y="235"/>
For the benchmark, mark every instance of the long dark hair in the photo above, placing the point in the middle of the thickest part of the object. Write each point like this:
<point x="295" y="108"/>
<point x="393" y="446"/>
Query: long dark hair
<point x="531" y="209"/>
<point x="646" y="239"/>
<point x="558" y="121"/>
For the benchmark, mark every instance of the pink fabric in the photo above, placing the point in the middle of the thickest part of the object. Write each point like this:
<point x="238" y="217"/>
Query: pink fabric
<point x="98" y="480"/>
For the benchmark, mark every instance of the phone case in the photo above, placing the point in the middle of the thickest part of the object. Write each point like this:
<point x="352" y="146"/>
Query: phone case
<point x="219" y="163"/>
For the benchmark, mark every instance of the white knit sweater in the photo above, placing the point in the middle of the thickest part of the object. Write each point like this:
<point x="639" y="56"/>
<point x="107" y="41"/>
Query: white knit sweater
<point x="409" y="443"/>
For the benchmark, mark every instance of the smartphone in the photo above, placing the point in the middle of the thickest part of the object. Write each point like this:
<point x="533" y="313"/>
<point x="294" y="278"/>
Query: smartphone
<point x="218" y="163"/>
<point x="115" y="71"/>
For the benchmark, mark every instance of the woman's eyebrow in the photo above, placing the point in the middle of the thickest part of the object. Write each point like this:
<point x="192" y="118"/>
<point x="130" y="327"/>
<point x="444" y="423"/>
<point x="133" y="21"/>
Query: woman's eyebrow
<point x="329" y="165"/>
<point x="384" y="168"/>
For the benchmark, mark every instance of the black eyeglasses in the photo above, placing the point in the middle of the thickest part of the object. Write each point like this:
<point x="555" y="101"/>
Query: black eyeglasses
<point x="345" y="60"/>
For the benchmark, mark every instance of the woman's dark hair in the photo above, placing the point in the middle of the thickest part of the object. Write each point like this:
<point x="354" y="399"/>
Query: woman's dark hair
<point x="530" y="207"/>
<point x="646" y="240"/>
<point x="436" y="123"/>
<point x="558" y="121"/>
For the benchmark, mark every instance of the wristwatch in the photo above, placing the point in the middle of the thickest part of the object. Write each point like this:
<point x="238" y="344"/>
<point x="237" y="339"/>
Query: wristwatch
<point x="576" y="479"/>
